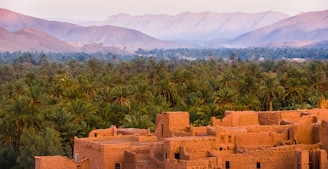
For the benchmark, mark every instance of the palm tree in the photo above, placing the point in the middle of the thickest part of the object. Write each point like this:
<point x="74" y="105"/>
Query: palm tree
<point x="143" y="94"/>
<point x="225" y="97"/>
<point x="120" y="95"/>
<point x="270" y="90"/>
<point x="168" y="90"/>
<point x="137" y="118"/>
<point x="21" y="115"/>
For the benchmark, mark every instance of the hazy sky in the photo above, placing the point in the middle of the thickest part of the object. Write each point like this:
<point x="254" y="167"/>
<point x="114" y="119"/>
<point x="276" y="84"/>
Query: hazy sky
<point x="100" y="9"/>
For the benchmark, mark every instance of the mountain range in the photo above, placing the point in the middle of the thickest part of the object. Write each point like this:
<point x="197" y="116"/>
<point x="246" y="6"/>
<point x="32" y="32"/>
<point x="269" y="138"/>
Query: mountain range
<point x="306" y="28"/>
<point x="29" y="39"/>
<point x="123" y="33"/>
<point x="77" y="36"/>
<point x="195" y="26"/>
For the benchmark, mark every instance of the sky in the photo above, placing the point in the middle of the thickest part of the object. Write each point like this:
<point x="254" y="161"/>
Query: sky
<point x="87" y="10"/>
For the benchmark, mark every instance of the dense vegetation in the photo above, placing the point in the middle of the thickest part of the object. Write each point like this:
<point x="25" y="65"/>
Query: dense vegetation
<point x="44" y="104"/>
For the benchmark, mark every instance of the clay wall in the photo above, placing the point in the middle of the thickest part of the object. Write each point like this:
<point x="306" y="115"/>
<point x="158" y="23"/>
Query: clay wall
<point x="237" y="118"/>
<point x="129" y="160"/>
<point x="114" y="155"/>
<point x="266" y="128"/>
<point x="269" y="118"/>
<point x="269" y="160"/>
<point x="324" y="134"/>
<point x="290" y="115"/>
<point x="133" y="131"/>
<point x="175" y="164"/>
<point x="209" y="163"/>
<point x="84" y="149"/>
<point x="172" y="124"/>
<point x="273" y="158"/>
<point x="274" y="117"/>
<point x="143" y="139"/>
<point x="199" y="131"/>
<point x="112" y="131"/>
<point x="178" y="120"/>
<point x="303" y="130"/>
<point x="259" y="139"/>
<point x="156" y="152"/>
<point x="162" y="128"/>
<point x="195" y="147"/>
<point x="54" y="162"/>
<point x="248" y="118"/>
<point x="226" y="139"/>
<point x="321" y="114"/>
<point x="313" y="159"/>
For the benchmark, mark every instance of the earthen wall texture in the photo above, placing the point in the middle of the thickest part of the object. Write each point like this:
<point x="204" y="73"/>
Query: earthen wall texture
<point x="199" y="131"/>
<point x="129" y="160"/>
<point x="238" y="118"/>
<point x="324" y="134"/>
<point x="170" y="124"/>
<point x="88" y="150"/>
<point x="178" y="120"/>
<point x="303" y="130"/>
<point x="54" y="162"/>
<point x="242" y="140"/>
<point x="102" y="132"/>
<point x="196" y="147"/>
<point x="114" y="155"/>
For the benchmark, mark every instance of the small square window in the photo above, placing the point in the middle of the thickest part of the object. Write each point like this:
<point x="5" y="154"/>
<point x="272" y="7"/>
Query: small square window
<point x="117" y="165"/>
<point x="177" y="156"/>
<point x="258" y="165"/>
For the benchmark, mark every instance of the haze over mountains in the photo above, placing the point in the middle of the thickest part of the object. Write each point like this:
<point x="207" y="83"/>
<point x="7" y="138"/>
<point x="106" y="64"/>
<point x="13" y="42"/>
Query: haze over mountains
<point x="191" y="30"/>
<point x="196" y="26"/>
<point x="29" y="39"/>
<point x="307" y="28"/>
<point x="78" y="36"/>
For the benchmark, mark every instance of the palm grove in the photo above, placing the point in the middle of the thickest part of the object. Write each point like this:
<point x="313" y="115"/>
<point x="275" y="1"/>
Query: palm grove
<point x="44" y="104"/>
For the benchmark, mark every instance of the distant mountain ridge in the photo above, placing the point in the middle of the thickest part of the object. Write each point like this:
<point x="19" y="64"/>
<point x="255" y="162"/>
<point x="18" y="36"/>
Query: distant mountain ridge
<point x="311" y="26"/>
<point x="21" y="32"/>
<point x="29" y="39"/>
<point x="110" y="36"/>
<point x="195" y="26"/>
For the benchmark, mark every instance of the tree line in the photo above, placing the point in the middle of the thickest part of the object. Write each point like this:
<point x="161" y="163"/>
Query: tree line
<point x="44" y="104"/>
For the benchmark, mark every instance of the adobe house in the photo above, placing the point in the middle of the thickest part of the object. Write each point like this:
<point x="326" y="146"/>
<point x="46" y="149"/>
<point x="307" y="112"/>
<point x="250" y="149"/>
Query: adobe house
<point x="296" y="139"/>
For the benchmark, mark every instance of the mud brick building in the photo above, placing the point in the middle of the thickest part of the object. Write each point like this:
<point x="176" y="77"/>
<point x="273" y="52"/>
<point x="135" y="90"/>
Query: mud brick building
<point x="296" y="139"/>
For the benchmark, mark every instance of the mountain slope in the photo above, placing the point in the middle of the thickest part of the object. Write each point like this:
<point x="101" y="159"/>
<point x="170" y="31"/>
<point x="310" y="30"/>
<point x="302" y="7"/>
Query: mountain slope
<point x="71" y="33"/>
<point x="312" y="26"/>
<point x="13" y="22"/>
<point x="29" y="39"/>
<point x="115" y="36"/>
<point x="196" y="26"/>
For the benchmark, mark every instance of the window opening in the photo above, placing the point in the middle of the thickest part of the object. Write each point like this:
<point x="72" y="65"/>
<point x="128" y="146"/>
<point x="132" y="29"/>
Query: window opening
<point x="117" y="165"/>
<point x="177" y="156"/>
<point x="258" y="165"/>
<point x="227" y="164"/>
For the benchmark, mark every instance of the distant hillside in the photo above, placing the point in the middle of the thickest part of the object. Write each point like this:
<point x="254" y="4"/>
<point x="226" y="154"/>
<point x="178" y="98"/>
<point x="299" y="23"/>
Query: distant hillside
<point x="186" y="30"/>
<point x="71" y="33"/>
<point x="322" y="44"/>
<point x="312" y="26"/>
<point x="29" y="39"/>
<point x="13" y="22"/>
<point x="195" y="26"/>
<point x="115" y="36"/>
